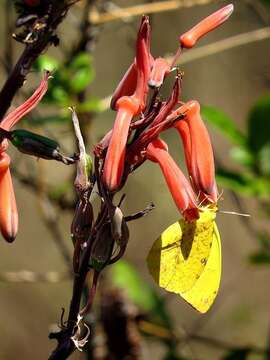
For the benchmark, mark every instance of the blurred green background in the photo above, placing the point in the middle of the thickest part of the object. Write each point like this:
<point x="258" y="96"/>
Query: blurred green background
<point x="232" y="84"/>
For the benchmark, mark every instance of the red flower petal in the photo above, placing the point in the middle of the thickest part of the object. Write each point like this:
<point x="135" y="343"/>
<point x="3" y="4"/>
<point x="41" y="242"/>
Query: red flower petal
<point x="135" y="79"/>
<point x="8" y="207"/>
<point x="11" y="119"/>
<point x="143" y="62"/>
<point x="115" y="157"/>
<point x="160" y="69"/>
<point x="198" y="153"/>
<point x="190" y="38"/>
<point x="127" y="85"/>
<point x="179" y="186"/>
<point x="183" y="129"/>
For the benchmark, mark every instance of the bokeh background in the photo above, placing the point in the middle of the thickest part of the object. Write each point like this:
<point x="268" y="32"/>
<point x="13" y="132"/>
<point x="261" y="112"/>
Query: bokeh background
<point x="229" y="78"/>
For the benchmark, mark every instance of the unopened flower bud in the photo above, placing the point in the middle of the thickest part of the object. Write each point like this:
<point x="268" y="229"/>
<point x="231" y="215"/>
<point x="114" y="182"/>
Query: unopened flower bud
<point x="102" y="248"/>
<point x="8" y="207"/>
<point x="119" y="228"/>
<point x="82" y="221"/>
<point x="181" y="190"/>
<point x="198" y="153"/>
<point x="37" y="145"/>
<point x="190" y="38"/>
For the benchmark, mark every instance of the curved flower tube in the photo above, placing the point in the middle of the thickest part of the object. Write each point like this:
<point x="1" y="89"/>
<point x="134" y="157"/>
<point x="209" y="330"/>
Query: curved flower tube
<point x="183" y="130"/>
<point x="115" y="157"/>
<point x="8" y="207"/>
<point x="134" y="82"/>
<point x="12" y="118"/>
<point x="198" y="153"/>
<point x="143" y="63"/>
<point x="181" y="190"/>
<point x="190" y="38"/>
<point x="127" y="85"/>
<point x="127" y="107"/>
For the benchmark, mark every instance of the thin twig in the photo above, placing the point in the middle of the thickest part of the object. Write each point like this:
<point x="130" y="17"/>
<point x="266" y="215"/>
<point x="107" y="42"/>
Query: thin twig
<point x="127" y="13"/>
<point x="27" y="276"/>
<point x="164" y="333"/>
<point x="31" y="183"/>
<point x="51" y="220"/>
<point x="8" y="39"/>
<point x="31" y="52"/>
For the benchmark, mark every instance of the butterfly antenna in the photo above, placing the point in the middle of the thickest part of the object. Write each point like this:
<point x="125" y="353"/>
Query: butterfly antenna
<point x="220" y="195"/>
<point x="234" y="213"/>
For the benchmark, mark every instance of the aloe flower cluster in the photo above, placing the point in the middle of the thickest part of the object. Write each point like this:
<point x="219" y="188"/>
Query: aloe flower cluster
<point x="142" y="116"/>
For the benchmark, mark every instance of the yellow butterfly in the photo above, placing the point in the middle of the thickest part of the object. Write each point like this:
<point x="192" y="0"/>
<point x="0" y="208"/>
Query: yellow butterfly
<point x="186" y="260"/>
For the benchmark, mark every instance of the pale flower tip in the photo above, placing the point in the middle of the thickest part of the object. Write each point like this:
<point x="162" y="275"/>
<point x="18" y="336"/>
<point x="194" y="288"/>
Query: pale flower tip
<point x="225" y="13"/>
<point x="229" y="8"/>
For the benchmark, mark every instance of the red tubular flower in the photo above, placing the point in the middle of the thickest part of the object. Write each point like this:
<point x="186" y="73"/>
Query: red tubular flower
<point x="181" y="190"/>
<point x="136" y="77"/>
<point x="183" y="129"/>
<point x="143" y="63"/>
<point x="127" y="85"/>
<point x="190" y="38"/>
<point x="12" y="118"/>
<point x="198" y="153"/>
<point x="115" y="157"/>
<point x="127" y="107"/>
<point x="160" y="69"/>
<point x="8" y="207"/>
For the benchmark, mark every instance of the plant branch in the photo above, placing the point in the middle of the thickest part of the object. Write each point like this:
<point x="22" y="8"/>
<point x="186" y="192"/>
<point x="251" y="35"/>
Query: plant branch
<point x="31" y="183"/>
<point x="27" y="276"/>
<point x="125" y="14"/>
<point x="8" y="40"/>
<point x="164" y="333"/>
<point x="56" y="13"/>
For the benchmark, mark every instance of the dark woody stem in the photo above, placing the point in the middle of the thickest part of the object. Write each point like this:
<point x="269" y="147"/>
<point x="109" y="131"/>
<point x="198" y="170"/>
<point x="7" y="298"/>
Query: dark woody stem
<point x="91" y="295"/>
<point x="56" y="12"/>
<point x="65" y="345"/>
<point x="64" y="337"/>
